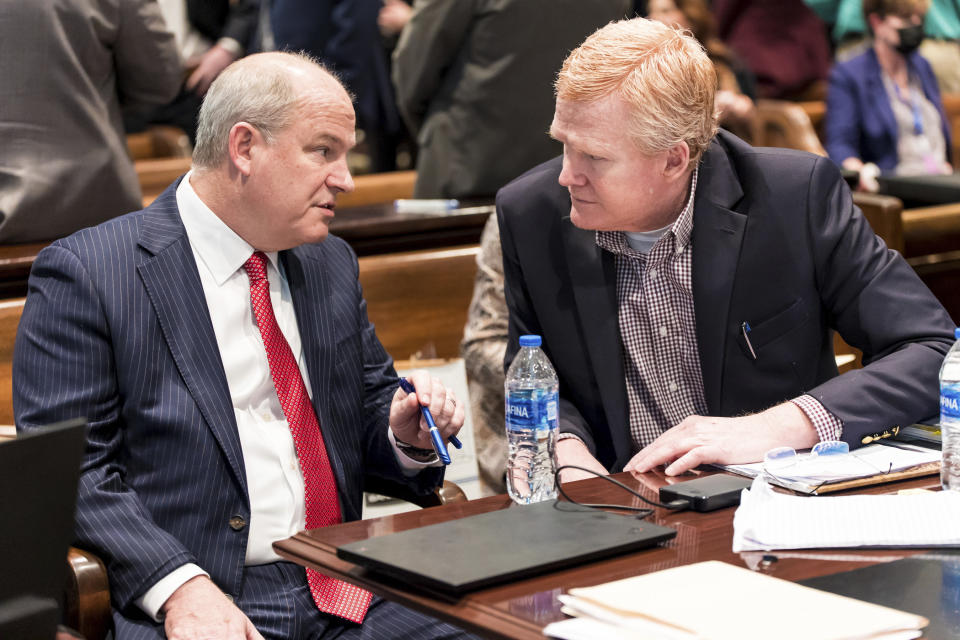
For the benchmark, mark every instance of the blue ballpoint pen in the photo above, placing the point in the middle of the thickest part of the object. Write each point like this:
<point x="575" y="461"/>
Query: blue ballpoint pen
<point x="438" y="445"/>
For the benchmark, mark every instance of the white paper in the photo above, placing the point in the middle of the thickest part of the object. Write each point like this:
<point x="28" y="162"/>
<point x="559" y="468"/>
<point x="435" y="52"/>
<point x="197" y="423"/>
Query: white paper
<point x="767" y="520"/>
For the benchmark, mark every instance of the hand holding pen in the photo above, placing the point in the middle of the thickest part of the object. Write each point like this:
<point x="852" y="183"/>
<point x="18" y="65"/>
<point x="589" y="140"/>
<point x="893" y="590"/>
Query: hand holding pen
<point x="426" y="397"/>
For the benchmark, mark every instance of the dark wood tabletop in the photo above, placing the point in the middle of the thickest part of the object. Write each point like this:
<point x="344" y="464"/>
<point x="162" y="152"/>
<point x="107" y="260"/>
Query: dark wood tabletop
<point x="521" y="609"/>
<point x="370" y="230"/>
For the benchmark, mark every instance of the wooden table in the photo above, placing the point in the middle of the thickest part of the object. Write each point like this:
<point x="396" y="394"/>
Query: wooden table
<point x="377" y="229"/>
<point x="521" y="609"/>
<point x="371" y="229"/>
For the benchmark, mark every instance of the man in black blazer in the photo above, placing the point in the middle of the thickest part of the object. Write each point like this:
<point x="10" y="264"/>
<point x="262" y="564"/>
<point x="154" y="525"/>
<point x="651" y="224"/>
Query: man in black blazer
<point x="686" y="285"/>
<point x="218" y="344"/>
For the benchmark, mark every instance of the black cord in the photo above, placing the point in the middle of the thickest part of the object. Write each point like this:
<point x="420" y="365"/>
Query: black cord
<point x="642" y="512"/>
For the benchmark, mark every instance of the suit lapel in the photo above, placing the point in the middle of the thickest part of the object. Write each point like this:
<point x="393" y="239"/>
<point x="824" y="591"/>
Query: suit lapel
<point x="594" y="278"/>
<point x="309" y="289"/>
<point x="172" y="282"/>
<point x="717" y="236"/>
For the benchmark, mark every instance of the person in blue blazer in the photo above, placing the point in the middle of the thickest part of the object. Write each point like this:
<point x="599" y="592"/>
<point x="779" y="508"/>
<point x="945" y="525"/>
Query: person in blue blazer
<point x="218" y="344"/>
<point x="884" y="111"/>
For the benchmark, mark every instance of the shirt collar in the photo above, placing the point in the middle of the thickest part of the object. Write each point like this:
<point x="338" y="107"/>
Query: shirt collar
<point x="682" y="227"/>
<point x="217" y="245"/>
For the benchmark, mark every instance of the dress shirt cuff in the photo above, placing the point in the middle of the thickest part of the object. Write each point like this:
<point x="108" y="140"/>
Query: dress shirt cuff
<point x="232" y="46"/>
<point x="158" y="594"/>
<point x="408" y="465"/>
<point x="568" y="436"/>
<point x="828" y="426"/>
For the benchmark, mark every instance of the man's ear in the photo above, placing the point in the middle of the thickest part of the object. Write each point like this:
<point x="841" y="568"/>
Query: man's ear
<point x="677" y="161"/>
<point x="241" y="141"/>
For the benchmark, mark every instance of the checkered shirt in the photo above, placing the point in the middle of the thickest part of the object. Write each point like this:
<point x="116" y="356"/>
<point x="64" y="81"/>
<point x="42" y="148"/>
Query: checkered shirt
<point x="661" y="360"/>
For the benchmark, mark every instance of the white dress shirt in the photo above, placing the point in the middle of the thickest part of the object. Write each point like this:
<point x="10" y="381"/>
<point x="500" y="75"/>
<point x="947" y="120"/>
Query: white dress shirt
<point x="274" y="481"/>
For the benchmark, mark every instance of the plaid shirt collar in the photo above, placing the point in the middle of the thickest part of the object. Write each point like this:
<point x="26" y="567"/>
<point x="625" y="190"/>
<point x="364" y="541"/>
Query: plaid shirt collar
<point x="682" y="228"/>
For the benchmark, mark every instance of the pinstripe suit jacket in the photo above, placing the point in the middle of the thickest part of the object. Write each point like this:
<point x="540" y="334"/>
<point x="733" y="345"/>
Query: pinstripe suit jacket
<point x="116" y="329"/>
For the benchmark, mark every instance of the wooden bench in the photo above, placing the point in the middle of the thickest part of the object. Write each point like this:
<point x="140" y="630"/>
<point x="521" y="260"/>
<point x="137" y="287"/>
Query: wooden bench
<point x="788" y="125"/>
<point x="159" y="141"/>
<point x="10" y="312"/>
<point x="418" y="300"/>
<point x="932" y="247"/>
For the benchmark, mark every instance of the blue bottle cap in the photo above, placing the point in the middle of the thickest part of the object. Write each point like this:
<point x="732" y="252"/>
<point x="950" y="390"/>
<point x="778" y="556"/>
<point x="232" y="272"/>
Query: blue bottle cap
<point x="956" y="334"/>
<point x="530" y="341"/>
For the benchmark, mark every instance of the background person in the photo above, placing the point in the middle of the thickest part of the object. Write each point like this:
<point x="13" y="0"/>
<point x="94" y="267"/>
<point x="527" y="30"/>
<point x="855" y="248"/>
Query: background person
<point x="884" y="111"/>
<point x="71" y="69"/>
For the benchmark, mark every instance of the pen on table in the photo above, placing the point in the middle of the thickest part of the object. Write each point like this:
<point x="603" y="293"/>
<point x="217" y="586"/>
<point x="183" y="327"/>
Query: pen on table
<point x="437" y="205"/>
<point x="745" y="330"/>
<point x="438" y="445"/>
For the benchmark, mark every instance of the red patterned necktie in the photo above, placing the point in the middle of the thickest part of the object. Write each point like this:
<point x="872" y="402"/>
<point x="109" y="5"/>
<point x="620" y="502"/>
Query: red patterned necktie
<point x="322" y="507"/>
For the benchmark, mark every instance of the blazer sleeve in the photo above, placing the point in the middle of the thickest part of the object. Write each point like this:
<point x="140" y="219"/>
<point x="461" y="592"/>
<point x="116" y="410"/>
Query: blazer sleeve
<point x="427" y="48"/>
<point x="241" y="22"/>
<point x="149" y="71"/>
<point x="879" y="305"/>
<point x="63" y="368"/>
<point x="842" y="126"/>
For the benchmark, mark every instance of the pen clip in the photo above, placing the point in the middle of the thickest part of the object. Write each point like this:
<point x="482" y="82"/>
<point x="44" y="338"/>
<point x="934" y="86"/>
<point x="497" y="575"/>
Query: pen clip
<point x="745" y="331"/>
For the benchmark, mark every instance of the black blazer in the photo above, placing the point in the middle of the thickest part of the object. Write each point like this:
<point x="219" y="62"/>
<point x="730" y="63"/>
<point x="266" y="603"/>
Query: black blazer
<point x="777" y="243"/>
<point x="217" y="19"/>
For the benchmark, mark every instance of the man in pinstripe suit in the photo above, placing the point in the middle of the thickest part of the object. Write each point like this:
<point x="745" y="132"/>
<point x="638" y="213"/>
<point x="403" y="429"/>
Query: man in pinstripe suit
<point x="145" y="326"/>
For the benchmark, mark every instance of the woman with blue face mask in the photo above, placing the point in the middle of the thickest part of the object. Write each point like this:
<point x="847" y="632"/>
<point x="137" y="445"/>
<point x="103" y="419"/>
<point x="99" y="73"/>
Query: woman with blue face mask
<point x="884" y="111"/>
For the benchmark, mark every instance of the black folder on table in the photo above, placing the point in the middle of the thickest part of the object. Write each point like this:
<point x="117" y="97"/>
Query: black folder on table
<point x="522" y="540"/>
<point x="38" y="495"/>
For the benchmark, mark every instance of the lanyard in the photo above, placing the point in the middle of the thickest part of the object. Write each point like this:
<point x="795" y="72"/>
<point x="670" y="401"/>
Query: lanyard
<point x="914" y="107"/>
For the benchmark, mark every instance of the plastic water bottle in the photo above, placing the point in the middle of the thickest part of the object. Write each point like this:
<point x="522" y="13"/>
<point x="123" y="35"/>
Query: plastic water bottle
<point x="531" y="395"/>
<point x="950" y="416"/>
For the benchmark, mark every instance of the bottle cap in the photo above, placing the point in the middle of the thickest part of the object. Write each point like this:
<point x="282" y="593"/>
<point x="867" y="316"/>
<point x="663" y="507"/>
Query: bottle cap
<point x="530" y="341"/>
<point x="956" y="334"/>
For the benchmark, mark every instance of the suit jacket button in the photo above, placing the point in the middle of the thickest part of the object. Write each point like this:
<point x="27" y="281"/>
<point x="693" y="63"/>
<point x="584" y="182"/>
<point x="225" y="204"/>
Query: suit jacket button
<point x="237" y="523"/>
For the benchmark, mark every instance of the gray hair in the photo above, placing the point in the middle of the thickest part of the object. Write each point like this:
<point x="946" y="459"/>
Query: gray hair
<point x="255" y="90"/>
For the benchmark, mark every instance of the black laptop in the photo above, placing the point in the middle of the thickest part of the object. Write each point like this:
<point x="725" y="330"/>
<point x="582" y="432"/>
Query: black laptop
<point x="38" y="496"/>
<point x="457" y="556"/>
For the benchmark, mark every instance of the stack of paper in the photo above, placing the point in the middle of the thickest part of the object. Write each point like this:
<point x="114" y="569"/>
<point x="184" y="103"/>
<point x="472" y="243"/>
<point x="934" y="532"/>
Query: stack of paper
<point x="768" y="520"/>
<point x="872" y="460"/>
<point x="717" y="601"/>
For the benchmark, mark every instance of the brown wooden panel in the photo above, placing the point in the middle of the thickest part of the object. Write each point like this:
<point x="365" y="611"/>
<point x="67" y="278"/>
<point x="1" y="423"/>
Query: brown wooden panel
<point x="159" y="141"/>
<point x="10" y="311"/>
<point x="156" y="174"/>
<point x="884" y="215"/>
<point x="418" y="300"/>
<point x="377" y="188"/>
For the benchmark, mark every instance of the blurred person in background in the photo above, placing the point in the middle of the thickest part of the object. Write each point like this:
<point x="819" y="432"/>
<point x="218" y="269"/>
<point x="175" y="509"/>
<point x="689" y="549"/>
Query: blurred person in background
<point x="736" y="91"/>
<point x="473" y="82"/>
<point x="941" y="46"/>
<point x="210" y="34"/>
<point x="71" y="69"/>
<point x="344" y="36"/>
<point x="783" y="42"/>
<point x="884" y="112"/>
